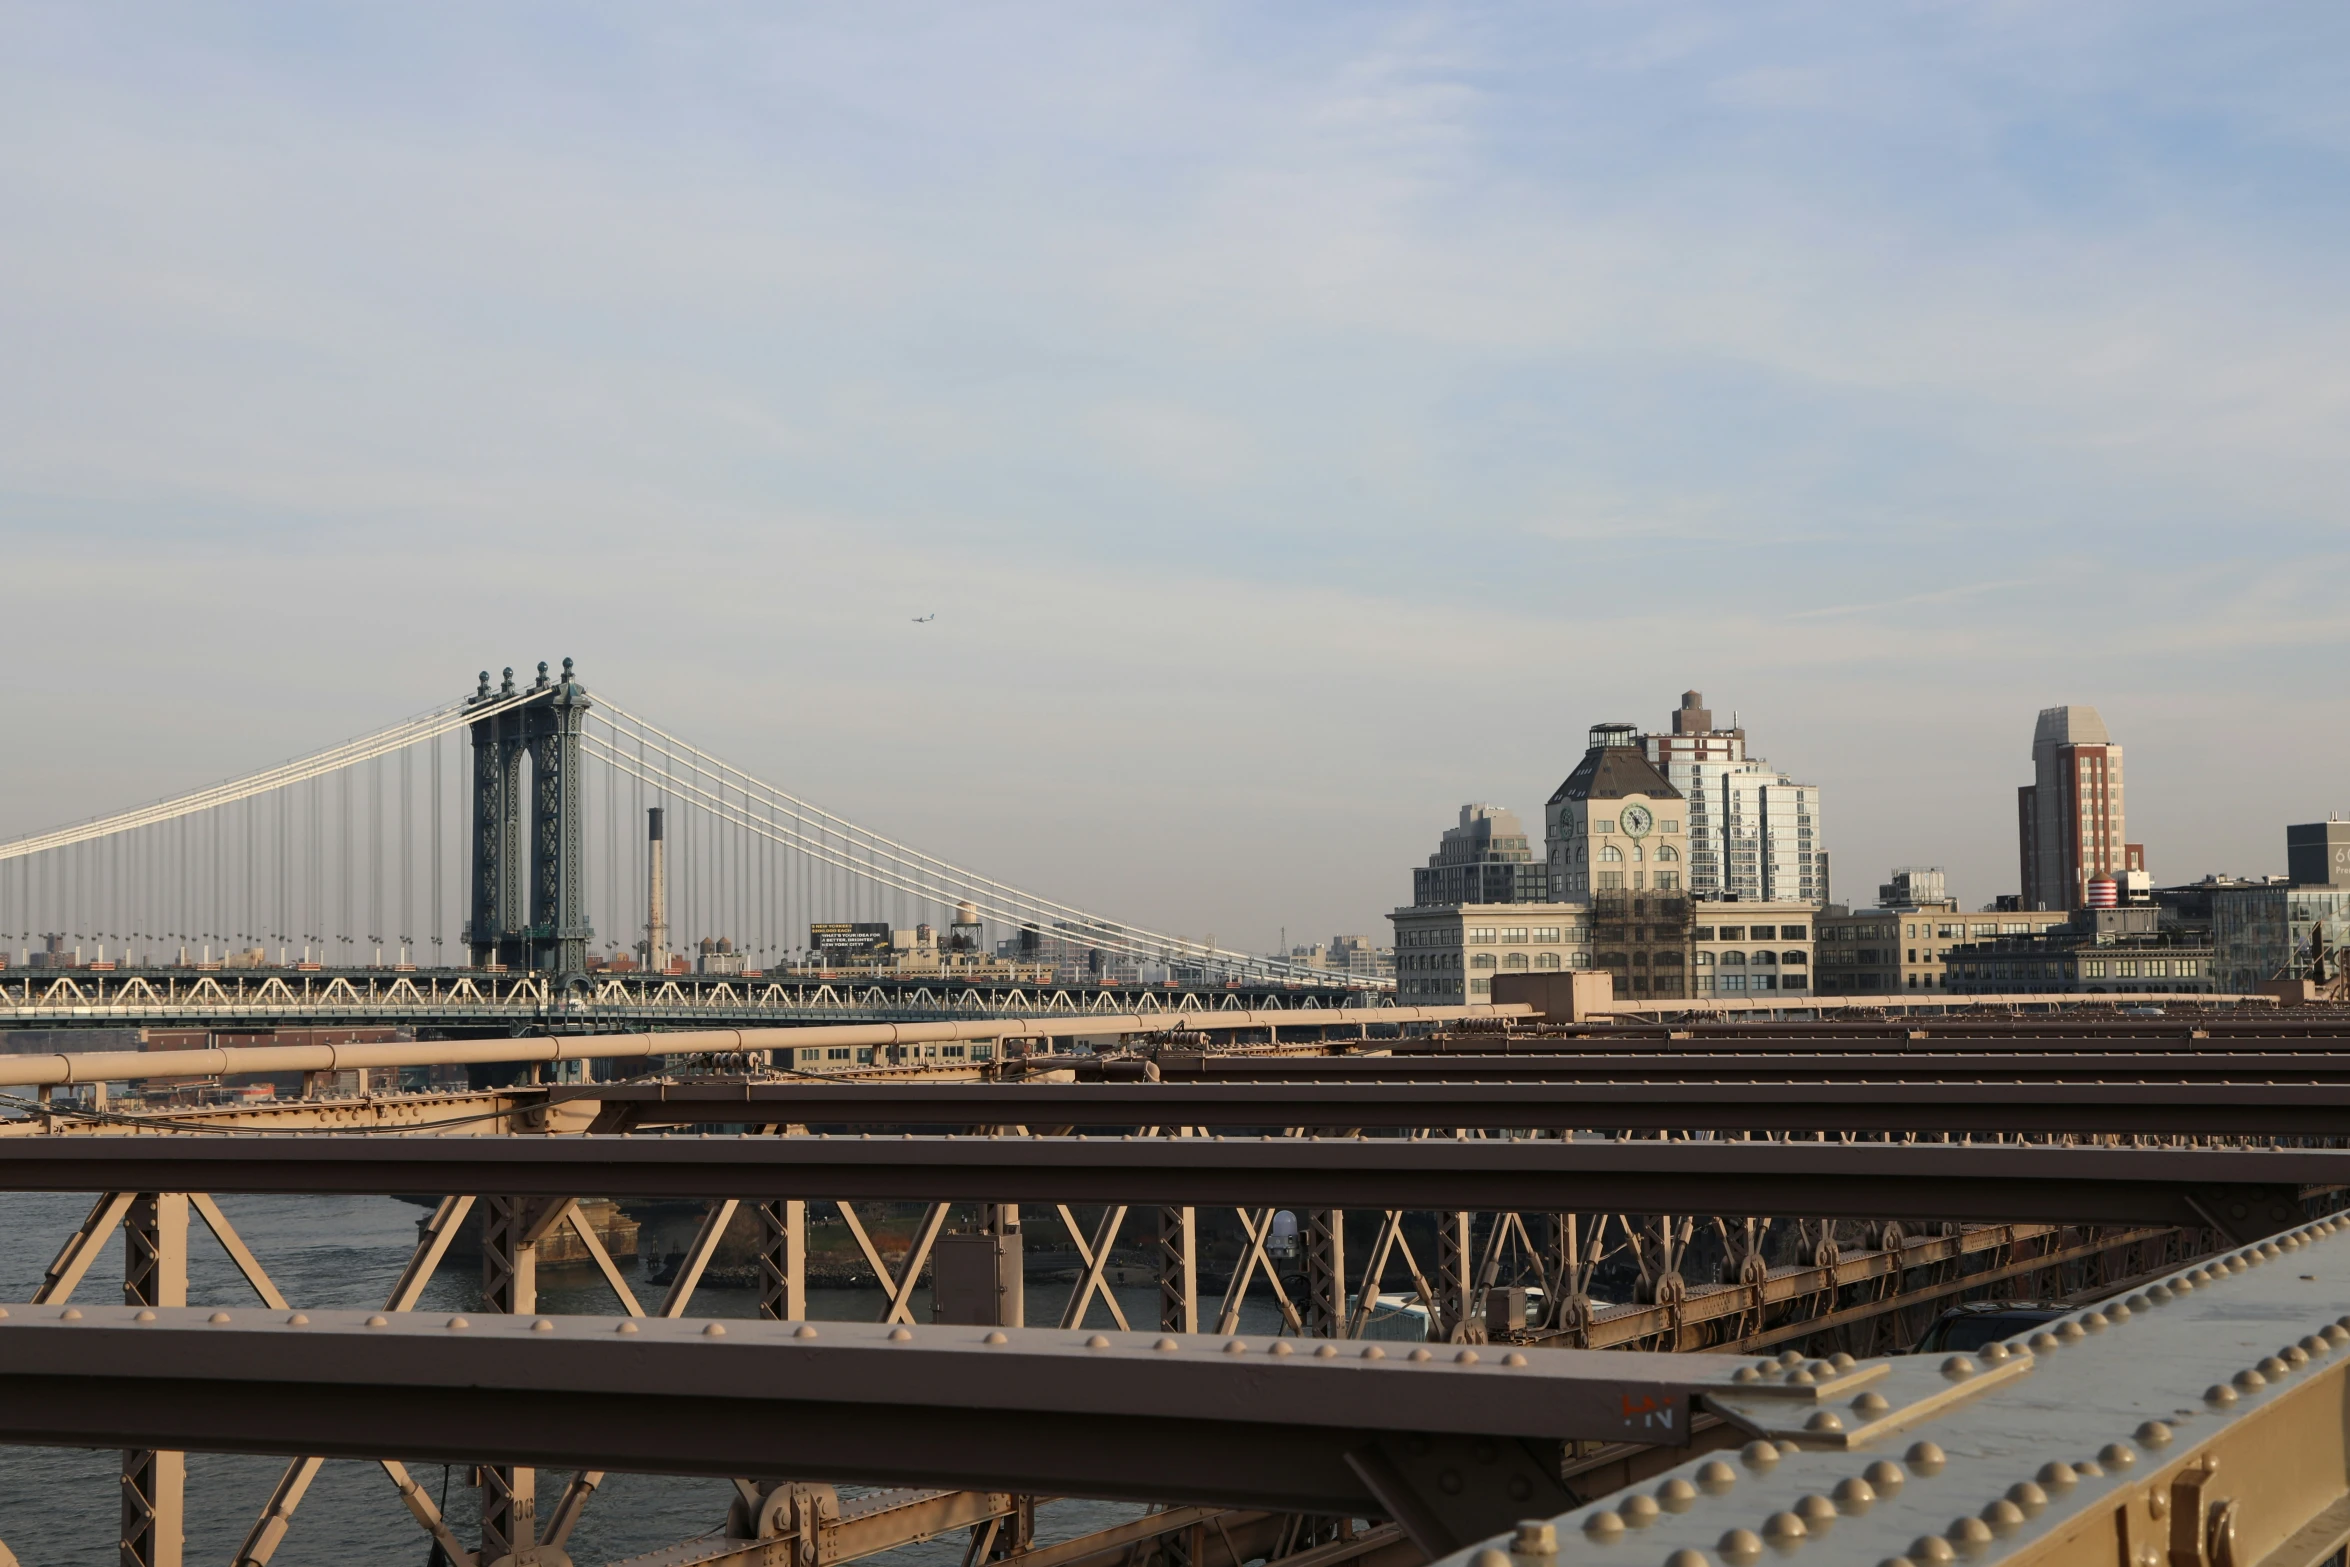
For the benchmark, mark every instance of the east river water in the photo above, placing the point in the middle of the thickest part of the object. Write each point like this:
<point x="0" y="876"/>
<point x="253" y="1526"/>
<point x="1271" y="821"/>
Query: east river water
<point x="61" y="1507"/>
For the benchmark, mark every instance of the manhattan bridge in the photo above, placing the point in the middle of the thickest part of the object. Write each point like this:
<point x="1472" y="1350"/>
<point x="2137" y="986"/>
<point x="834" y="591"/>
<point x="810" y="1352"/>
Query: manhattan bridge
<point x="486" y="865"/>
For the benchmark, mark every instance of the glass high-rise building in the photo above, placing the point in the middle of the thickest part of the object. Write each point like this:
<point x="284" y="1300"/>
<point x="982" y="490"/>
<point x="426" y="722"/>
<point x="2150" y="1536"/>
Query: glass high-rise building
<point x="1754" y="831"/>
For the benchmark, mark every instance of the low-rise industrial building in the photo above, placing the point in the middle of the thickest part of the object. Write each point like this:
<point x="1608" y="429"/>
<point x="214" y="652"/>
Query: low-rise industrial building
<point x="1448" y="954"/>
<point x="2097" y="952"/>
<point x="1738" y="948"/>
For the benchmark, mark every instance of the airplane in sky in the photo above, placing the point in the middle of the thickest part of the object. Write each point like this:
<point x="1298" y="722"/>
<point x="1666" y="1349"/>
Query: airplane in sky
<point x="924" y="620"/>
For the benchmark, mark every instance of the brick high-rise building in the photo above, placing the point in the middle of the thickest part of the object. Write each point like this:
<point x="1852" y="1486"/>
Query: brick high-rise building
<point x="2069" y="817"/>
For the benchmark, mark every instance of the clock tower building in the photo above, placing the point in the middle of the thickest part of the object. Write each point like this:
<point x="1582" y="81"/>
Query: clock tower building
<point x="1616" y="824"/>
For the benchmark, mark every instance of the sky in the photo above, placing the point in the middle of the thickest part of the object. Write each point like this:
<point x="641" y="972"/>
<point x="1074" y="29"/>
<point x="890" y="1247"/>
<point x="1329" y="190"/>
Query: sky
<point x="1301" y="419"/>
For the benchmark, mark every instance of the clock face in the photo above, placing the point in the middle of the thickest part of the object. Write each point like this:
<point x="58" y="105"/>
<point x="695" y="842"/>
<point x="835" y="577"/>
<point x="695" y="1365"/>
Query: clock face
<point x="1637" y="821"/>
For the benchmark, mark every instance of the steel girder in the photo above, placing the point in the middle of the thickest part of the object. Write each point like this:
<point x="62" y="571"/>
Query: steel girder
<point x="2237" y="1191"/>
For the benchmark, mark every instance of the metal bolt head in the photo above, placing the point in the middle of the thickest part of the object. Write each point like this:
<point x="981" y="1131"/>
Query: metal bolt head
<point x="2043" y="1343"/>
<point x="1514" y="1361"/>
<point x="1326" y="1352"/>
<point x="149" y="1316"/>
<point x="1676" y="1495"/>
<point x="1759" y="1455"/>
<point x="1095" y="1342"/>
<point x="2273" y="1368"/>
<point x="1816" y="1511"/>
<point x="1166" y="1346"/>
<point x="379" y="1321"/>
<point x="2153" y="1434"/>
<point x="1969" y="1535"/>
<point x="1842" y="1361"/>
<point x="459" y="1322"/>
<point x="2057" y="1475"/>
<point x="2115" y="1456"/>
<point x="1745" y="1374"/>
<point x="1489" y="1557"/>
<point x="996" y="1338"/>
<point x="542" y="1325"/>
<point x="1884" y="1477"/>
<point x="1959" y="1367"/>
<point x="1824" y="1420"/>
<point x="1685" y="1557"/>
<point x="1926" y="1459"/>
<point x="1714" y="1477"/>
<point x="626" y="1325"/>
<point x="1370" y="1351"/>
<point x="1872" y="1403"/>
<point x="2003" y="1516"/>
<point x="218" y="1317"/>
<point x="1739" y="1547"/>
<point x="1639" y="1510"/>
<point x="1783" y="1529"/>
<point x="2314" y="1346"/>
<point x="1604" y="1527"/>
<point x="1853" y="1495"/>
<point x="2071" y="1332"/>
<point x="2094" y="1321"/>
<point x="808" y="1330"/>
<point x="1535" y="1537"/>
<point x="1931" y="1550"/>
<point x="2219" y="1395"/>
<point x="2027" y="1496"/>
<point x="2249" y="1378"/>
<point x="901" y="1335"/>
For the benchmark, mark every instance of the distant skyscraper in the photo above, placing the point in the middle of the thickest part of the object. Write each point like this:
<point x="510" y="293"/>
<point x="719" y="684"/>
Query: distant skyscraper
<point x="1486" y="859"/>
<point x="2069" y="817"/>
<point x="1754" y="832"/>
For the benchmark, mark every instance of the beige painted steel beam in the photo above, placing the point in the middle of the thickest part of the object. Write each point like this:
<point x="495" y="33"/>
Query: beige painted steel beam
<point x="100" y="1066"/>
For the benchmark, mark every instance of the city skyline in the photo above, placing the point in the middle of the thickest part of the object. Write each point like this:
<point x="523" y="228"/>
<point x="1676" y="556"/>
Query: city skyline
<point x="1411" y="386"/>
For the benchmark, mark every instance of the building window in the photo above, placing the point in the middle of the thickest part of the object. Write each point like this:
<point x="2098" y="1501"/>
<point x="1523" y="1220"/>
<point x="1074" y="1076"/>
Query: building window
<point x="1603" y="824"/>
<point x="2093" y="968"/>
<point x="1514" y="960"/>
<point x="1609" y="881"/>
<point x="1480" y="987"/>
<point x="1702" y="933"/>
<point x="1667" y="853"/>
<point x="1671" y="825"/>
<point x="1546" y="933"/>
<point x="1609" y="853"/>
<point x="1730" y="982"/>
<point x="1733" y="960"/>
<point x="1765" y="958"/>
<point x="1733" y="933"/>
<point x="1546" y="960"/>
<point x="2126" y="968"/>
<point x="1668" y="881"/>
<point x="1482" y="960"/>
<point x="1793" y="957"/>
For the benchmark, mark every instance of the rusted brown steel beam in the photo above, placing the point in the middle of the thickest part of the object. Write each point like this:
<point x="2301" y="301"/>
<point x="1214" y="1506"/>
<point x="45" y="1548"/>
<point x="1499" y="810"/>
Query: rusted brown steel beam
<point x="2275" y="1109"/>
<point x="1149" y="1417"/>
<point x="2236" y="1190"/>
<point x="1722" y="1064"/>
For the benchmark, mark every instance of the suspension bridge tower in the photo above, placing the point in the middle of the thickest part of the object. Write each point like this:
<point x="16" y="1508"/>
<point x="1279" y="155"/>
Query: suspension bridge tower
<point x="529" y="868"/>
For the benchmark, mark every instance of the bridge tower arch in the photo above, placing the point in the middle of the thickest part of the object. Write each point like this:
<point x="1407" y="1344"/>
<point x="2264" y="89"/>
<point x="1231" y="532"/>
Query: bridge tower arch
<point x="528" y="875"/>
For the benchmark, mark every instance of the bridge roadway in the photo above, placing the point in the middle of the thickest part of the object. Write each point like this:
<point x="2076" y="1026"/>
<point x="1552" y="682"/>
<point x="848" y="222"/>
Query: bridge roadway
<point x="462" y="1002"/>
<point x="2242" y="1192"/>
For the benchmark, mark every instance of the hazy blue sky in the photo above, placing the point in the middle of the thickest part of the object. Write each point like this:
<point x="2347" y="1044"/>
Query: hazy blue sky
<point x="1301" y="418"/>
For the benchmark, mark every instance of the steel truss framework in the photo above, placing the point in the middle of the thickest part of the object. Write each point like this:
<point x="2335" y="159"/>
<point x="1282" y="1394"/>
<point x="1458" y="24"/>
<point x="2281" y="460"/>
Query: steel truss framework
<point x="1825" y="1299"/>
